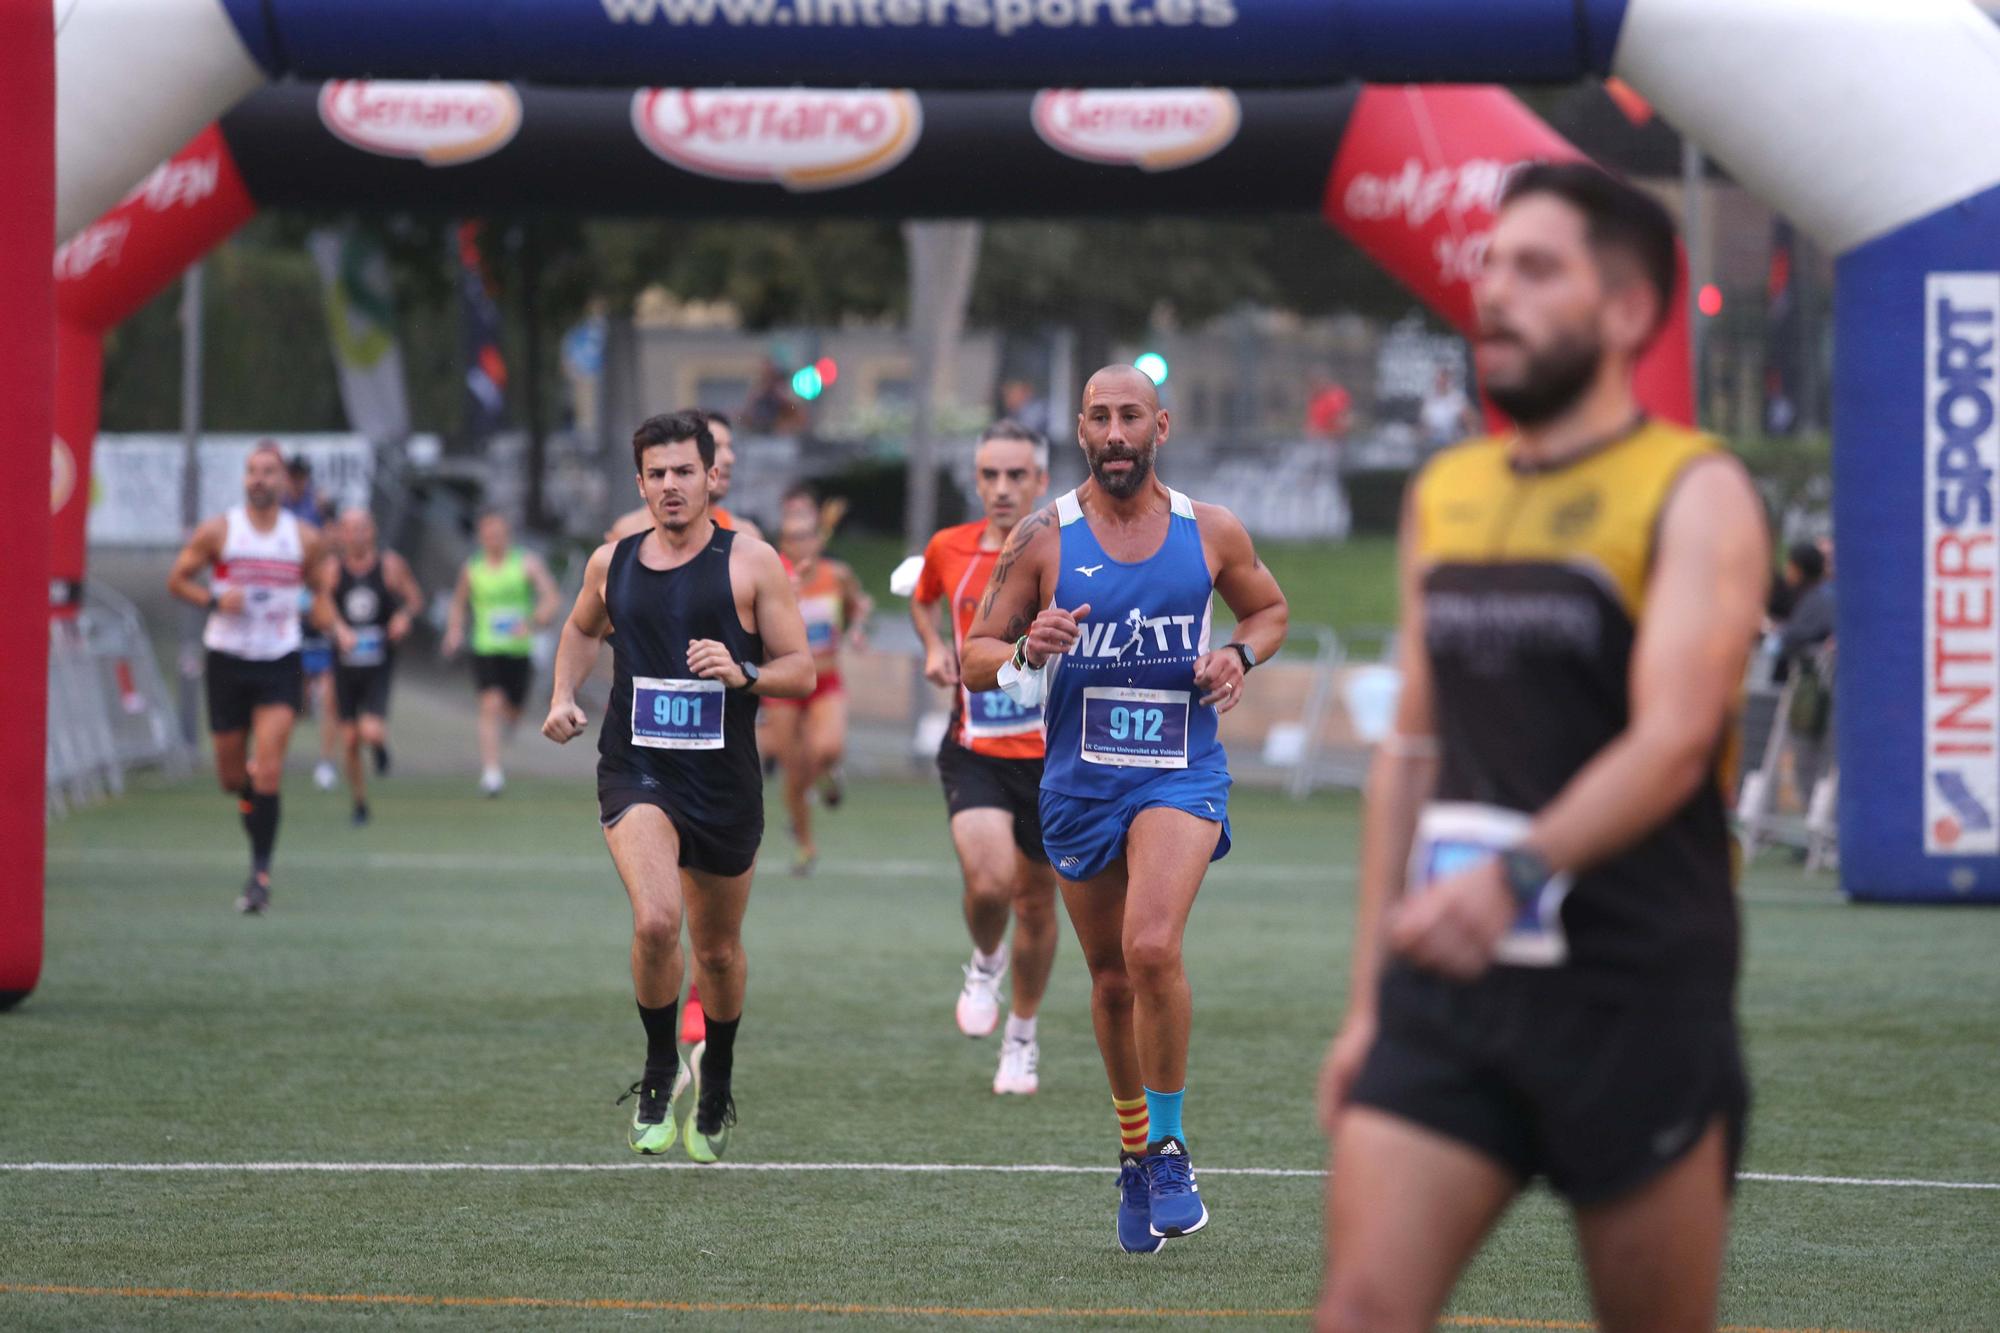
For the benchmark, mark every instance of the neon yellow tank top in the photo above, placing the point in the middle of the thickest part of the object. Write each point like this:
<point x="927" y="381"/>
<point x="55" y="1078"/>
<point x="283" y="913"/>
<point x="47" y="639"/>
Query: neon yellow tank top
<point x="503" y="604"/>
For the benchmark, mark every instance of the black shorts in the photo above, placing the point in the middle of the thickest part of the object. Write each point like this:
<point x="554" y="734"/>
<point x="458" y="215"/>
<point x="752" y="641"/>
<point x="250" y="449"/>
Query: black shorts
<point x="238" y="686"/>
<point x="358" y="690"/>
<point x="506" y="672"/>
<point x="726" y="851"/>
<point x="974" y="781"/>
<point x="1596" y="1096"/>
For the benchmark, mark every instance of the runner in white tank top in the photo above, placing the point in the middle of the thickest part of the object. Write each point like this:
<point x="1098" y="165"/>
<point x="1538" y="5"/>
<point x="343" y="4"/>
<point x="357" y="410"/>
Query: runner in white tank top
<point x="266" y="565"/>
<point x="255" y="557"/>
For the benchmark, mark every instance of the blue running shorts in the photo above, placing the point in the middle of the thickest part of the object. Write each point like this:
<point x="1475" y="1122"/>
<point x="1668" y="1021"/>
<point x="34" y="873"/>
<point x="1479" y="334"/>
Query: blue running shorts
<point x="1083" y="835"/>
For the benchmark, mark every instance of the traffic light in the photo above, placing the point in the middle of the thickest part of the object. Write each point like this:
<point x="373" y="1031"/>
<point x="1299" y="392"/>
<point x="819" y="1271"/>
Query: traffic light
<point x="809" y="382"/>
<point x="1152" y="365"/>
<point x="1709" y="300"/>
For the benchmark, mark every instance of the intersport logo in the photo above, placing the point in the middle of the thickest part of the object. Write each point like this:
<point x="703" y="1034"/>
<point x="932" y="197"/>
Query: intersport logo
<point x="803" y="139"/>
<point x="440" y="124"/>
<point x="1154" y="129"/>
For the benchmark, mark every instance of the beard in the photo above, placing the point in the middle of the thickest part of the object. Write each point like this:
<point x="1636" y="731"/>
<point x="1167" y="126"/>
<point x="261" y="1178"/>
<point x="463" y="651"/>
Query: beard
<point x="260" y="497"/>
<point x="1552" y="381"/>
<point x="1123" y="487"/>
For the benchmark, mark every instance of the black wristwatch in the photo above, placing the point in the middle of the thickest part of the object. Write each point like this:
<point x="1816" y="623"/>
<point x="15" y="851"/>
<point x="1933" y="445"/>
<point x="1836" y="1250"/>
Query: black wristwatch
<point x="750" y="674"/>
<point x="1526" y="873"/>
<point x="1243" y="651"/>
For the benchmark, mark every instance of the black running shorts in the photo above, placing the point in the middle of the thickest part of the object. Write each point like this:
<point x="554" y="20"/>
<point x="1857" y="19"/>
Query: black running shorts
<point x="358" y="690"/>
<point x="506" y="672"/>
<point x="974" y="781"/>
<point x="725" y="851"/>
<point x="1598" y="1097"/>
<point x="238" y="687"/>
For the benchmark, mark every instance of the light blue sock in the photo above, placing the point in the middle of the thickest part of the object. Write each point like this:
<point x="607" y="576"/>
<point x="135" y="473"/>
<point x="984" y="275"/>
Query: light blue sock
<point x="1163" y="1110"/>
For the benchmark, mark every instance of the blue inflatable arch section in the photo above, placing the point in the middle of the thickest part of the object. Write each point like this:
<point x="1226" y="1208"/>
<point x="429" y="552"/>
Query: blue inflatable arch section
<point x="1873" y="124"/>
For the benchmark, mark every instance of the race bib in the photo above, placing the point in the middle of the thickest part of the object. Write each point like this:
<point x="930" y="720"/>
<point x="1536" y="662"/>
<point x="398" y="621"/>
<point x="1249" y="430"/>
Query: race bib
<point x="1130" y="728"/>
<point x="1453" y="835"/>
<point x="507" y="624"/>
<point x="820" y="636"/>
<point x="371" y="647"/>
<point x="676" y="714"/>
<point x="990" y="714"/>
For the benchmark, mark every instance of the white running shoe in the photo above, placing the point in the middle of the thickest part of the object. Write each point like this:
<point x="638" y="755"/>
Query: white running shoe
<point x="979" y="1001"/>
<point x="324" y="776"/>
<point x="1018" y="1059"/>
<point x="492" y="781"/>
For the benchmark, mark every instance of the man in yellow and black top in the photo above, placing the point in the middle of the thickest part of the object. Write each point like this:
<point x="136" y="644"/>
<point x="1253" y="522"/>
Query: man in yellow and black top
<point x="1546" y="953"/>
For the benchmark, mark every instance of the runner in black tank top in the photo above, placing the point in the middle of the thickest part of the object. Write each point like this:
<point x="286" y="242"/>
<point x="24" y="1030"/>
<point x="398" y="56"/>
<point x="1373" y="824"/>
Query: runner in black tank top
<point x="373" y="611"/>
<point x="704" y="619"/>
<point x="676" y="750"/>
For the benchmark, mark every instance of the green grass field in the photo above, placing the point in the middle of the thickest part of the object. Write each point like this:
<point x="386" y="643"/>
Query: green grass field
<point x="450" y="986"/>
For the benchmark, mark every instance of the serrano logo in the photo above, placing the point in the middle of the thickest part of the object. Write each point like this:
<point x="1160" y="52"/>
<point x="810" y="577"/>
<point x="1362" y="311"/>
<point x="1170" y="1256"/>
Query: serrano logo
<point x="1154" y="129"/>
<point x="801" y="138"/>
<point x="440" y="124"/>
<point x="1961" y="566"/>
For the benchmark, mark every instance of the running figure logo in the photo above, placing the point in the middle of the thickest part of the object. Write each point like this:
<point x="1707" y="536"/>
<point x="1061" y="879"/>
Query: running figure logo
<point x="1135" y="620"/>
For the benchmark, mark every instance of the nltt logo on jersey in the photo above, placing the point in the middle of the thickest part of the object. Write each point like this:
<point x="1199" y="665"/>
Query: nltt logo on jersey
<point x="1136" y="635"/>
<point x="1962" y="565"/>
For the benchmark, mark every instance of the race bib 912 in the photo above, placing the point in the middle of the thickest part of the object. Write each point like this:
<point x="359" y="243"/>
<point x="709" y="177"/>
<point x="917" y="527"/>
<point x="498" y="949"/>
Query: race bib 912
<point x="1132" y="728"/>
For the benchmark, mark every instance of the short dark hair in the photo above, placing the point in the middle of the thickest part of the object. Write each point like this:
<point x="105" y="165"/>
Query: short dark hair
<point x="713" y="417"/>
<point x="1808" y="560"/>
<point x="672" y="428"/>
<point x="1617" y="216"/>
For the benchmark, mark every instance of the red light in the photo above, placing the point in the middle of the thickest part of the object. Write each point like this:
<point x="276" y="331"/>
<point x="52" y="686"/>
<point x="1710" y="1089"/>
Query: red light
<point x="829" y="371"/>
<point x="1710" y="300"/>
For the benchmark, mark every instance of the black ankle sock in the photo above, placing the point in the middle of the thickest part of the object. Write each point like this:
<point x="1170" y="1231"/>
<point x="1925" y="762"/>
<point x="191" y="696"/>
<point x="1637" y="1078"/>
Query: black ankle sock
<point x="718" y="1058"/>
<point x="663" y="1057"/>
<point x="262" y="825"/>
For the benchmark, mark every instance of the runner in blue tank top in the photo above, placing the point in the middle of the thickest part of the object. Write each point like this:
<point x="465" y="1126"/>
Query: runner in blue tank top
<point x="1099" y="610"/>
<point x="705" y="624"/>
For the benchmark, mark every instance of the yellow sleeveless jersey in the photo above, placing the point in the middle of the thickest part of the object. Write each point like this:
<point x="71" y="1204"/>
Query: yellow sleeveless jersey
<point x="1535" y="584"/>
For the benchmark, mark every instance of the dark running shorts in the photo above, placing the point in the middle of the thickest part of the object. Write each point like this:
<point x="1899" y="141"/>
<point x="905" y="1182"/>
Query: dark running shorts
<point x="1596" y="1096"/>
<point x="714" y="851"/>
<point x="238" y="687"/>
<point x="974" y="781"/>
<point x="358" y="690"/>
<point x="506" y="672"/>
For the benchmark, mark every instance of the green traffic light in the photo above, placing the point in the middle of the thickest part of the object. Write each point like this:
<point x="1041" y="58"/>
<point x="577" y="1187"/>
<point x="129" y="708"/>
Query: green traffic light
<point x="807" y="383"/>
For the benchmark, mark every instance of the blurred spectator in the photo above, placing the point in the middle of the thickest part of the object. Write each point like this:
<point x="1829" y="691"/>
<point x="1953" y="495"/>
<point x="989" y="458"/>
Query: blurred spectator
<point x="1802" y="640"/>
<point x="1805" y="568"/>
<point x="1329" y="413"/>
<point x="1019" y="402"/>
<point x="770" y="409"/>
<point x="1445" y="416"/>
<point x="301" y="499"/>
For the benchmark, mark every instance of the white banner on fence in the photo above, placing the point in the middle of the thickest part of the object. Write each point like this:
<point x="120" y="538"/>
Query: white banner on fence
<point x="135" y="482"/>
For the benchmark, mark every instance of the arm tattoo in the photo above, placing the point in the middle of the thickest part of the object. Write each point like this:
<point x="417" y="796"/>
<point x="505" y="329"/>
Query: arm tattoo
<point x="1017" y="542"/>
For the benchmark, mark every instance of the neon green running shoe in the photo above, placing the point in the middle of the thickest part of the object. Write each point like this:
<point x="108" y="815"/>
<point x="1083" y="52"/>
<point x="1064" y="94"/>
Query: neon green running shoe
<point x="714" y="1115"/>
<point x="655" y="1122"/>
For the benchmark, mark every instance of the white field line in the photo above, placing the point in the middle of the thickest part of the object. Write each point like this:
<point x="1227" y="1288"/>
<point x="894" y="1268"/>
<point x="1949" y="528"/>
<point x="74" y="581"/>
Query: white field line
<point x="874" y="1168"/>
<point x="464" y="862"/>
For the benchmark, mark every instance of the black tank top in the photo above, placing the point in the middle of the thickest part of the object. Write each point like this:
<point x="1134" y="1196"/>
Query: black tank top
<point x="366" y="604"/>
<point x="660" y="725"/>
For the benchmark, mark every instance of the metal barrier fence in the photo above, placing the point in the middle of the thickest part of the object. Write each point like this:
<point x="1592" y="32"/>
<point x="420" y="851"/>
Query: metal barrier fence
<point x="109" y="708"/>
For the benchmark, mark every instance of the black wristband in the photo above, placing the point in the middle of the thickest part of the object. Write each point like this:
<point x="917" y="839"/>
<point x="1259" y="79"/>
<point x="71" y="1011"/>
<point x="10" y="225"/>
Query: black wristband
<point x="1243" y="651"/>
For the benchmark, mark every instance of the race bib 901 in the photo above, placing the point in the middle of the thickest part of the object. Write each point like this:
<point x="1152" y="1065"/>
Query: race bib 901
<point x="1454" y="835"/>
<point x="991" y="713"/>
<point x="1130" y="728"/>
<point x="676" y="714"/>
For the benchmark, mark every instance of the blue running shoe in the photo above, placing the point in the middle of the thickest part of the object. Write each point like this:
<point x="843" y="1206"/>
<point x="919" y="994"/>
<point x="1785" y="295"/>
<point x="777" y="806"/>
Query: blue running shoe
<point x="1135" y="1210"/>
<point x="1177" y="1209"/>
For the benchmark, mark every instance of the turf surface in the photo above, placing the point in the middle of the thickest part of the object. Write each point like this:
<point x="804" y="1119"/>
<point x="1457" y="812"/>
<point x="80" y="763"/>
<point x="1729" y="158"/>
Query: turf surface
<point x="449" y="985"/>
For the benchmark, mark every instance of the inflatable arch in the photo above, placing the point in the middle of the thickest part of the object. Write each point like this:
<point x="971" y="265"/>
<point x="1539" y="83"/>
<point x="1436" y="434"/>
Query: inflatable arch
<point x="1871" y="123"/>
